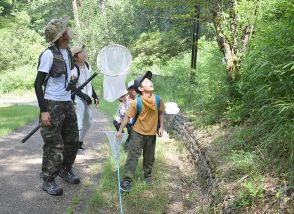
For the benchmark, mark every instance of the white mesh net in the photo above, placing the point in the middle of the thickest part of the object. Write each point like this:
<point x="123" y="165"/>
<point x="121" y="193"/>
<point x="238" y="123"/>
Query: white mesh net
<point x="114" y="60"/>
<point x="115" y="143"/>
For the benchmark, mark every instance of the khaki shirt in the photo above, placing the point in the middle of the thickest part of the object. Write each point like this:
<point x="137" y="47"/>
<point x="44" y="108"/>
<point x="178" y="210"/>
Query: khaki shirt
<point x="147" y="120"/>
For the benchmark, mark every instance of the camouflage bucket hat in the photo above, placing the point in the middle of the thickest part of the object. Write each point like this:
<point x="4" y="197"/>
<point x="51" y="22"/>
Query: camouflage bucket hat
<point x="55" y="28"/>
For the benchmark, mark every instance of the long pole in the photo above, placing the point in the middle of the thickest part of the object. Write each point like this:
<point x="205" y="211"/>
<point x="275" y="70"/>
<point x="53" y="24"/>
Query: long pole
<point x="73" y="93"/>
<point x="119" y="189"/>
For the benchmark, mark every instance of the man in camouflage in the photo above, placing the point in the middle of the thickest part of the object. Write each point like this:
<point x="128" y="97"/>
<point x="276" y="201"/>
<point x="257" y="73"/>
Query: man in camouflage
<point x="59" y="127"/>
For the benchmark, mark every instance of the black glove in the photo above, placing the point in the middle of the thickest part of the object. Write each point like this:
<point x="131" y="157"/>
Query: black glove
<point x="85" y="97"/>
<point x="71" y="85"/>
<point x="88" y="99"/>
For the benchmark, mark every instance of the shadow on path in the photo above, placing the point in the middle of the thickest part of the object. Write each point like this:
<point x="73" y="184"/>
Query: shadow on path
<point x="20" y="166"/>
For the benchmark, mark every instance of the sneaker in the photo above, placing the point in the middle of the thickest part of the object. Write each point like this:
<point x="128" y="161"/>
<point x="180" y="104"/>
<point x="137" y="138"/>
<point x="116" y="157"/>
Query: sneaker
<point x="52" y="188"/>
<point x="148" y="180"/>
<point x="125" y="186"/>
<point x="69" y="176"/>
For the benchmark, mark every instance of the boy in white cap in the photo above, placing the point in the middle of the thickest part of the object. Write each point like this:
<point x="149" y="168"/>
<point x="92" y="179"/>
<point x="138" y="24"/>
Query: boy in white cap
<point x="83" y="101"/>
<point x="132" y="90"/>
<point x="59" y="127"/>
<point x="125" y="102"/>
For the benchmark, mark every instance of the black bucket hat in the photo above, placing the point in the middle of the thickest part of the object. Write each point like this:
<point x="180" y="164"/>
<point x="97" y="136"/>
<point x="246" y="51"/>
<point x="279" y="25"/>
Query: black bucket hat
<point x="138" y="81"/>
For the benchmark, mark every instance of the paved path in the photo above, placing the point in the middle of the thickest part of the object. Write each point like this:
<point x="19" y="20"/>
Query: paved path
<point x="29" y="99"/>
<point x="20" y="165"/>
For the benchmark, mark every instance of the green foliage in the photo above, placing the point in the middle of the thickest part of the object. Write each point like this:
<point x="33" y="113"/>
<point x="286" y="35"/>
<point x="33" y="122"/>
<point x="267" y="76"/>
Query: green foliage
<point x="123" y="22"/>
<point x="105" y="27"/>
<point x="42" y="11"/>
<point x="21" y="79"/>
<point x="250" y="192"/>
<point x="108" y="108"/>
<point x="266" y="88"/>
<point x="5" y="8"/>
<point x="15" y="116"/>
<point x="20" y="45"/>
<point x="157" y="47"/>
<point x="241" y="163"/>
<point x="142" y="199"/>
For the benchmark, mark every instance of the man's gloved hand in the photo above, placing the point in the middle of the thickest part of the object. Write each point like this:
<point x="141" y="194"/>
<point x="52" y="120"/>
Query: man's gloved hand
<point x="87" y="99"/>
<point x="71" y="85"/>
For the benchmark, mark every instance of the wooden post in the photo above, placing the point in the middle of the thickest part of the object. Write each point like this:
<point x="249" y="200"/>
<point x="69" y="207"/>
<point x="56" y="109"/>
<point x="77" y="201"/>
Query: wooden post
<point x="195" y="37"/>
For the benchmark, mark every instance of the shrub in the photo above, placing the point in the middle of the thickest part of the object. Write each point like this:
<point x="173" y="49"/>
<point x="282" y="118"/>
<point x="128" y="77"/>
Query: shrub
<point x="157" y="47"/>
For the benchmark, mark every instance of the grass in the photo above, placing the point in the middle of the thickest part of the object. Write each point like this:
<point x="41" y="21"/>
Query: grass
<point x="142" y="199"/>
<point x="15" y="116"/>
<point x="108" y="108"/>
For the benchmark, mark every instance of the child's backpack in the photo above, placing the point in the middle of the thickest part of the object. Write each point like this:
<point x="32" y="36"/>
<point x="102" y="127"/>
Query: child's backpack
<point x="79" y="73"/>
<point x="78" y="69"/>
<point x="139" y="108"/>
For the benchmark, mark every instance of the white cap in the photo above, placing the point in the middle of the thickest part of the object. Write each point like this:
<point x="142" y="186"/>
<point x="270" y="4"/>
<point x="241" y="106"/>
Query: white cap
<point x="171" y="108"/>
<point x="131" y="84"/>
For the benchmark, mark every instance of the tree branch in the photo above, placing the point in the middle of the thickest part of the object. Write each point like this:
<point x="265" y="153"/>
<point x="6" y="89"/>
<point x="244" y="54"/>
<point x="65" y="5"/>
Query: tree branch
<point x="248" y="30"/>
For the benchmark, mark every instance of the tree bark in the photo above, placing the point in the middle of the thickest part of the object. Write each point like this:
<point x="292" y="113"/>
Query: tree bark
<point x="234" y="25"/>
<point x="225" y="46"/>
<point x="77" y="21"/>
<point x="248" y="30"/>
<point x="102" y="5"/>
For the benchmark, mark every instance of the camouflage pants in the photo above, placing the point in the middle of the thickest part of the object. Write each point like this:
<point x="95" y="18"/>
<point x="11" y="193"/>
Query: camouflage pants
<point x="60" y="139"/>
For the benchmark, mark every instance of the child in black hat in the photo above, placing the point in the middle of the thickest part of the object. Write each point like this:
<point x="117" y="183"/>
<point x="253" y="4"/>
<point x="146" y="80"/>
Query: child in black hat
<point x="147" y="109"/>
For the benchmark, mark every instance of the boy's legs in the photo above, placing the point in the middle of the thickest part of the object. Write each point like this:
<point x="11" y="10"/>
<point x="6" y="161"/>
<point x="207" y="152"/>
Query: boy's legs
<point x="148" y="154"/>
<point x="87" y="121"/>
<point x="129" y="128"/>
<point x="80" y="111"/>
<point x="134" y="152"/>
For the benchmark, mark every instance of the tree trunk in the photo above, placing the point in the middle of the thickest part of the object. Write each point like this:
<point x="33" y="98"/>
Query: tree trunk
<point x="224" y="45"/>
<point x="102" y="5"/>
<point x="248" y="30"/>
<point x="77" y="21"/>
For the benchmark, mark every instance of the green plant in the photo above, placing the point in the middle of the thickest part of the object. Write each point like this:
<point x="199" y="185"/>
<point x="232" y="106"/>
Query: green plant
<point x="21" y="79"/>
<point x="157" y="47"/>
<point x="250" y="191"/>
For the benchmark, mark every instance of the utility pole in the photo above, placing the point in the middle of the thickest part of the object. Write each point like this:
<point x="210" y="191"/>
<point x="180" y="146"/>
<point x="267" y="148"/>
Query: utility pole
<point x="195" y="37"/>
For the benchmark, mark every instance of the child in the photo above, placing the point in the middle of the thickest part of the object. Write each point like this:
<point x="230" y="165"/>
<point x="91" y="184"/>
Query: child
<point x="125" y="102"/>
<point x="83" y="99"/>
<point x="131" y="90"/>
<point x="144" y="132"/>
